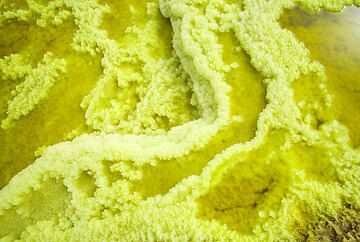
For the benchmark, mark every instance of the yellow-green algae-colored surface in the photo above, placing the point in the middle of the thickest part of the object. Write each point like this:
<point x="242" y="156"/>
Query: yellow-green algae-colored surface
<point x="180" y="120"/>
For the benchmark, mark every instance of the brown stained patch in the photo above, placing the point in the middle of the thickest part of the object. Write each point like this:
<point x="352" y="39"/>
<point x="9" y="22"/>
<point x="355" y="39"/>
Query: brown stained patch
<point x="47" y="203"/>
<point x="56" y="115"/>
<point x="344" y="227"/>
<point x="333" y="39"/>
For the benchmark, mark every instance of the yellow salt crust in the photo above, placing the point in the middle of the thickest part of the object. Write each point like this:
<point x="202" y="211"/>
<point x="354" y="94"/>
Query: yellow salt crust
<point x="35" y="86"/>
<point x="150" y="108"/>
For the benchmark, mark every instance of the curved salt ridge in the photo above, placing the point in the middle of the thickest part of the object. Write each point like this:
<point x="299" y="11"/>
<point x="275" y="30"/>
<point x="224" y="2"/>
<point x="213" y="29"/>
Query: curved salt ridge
<point x="172" y="216"/>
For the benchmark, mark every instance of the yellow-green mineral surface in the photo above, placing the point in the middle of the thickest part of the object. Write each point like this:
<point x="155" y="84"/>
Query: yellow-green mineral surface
<point x="180" y="120"/>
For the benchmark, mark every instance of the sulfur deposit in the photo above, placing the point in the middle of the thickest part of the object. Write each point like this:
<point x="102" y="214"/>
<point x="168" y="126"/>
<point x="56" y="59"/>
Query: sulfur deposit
<point x="176" y="120"/>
